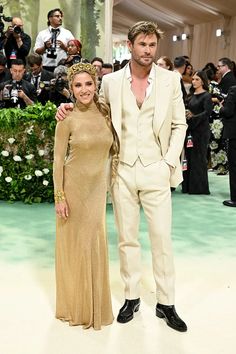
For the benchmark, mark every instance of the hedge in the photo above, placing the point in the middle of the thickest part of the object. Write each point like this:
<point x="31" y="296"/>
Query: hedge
<point x="26" y="153"/>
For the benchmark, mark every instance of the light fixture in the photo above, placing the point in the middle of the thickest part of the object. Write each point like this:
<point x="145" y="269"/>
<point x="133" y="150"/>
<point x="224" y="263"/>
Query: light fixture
<point x="184" y="36"/>
<point x="219" y="32"/>
<point x="175" y="38"/>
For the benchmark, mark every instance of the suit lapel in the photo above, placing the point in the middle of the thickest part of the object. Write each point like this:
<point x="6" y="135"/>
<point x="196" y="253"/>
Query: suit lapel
<point x="162" y="93"/>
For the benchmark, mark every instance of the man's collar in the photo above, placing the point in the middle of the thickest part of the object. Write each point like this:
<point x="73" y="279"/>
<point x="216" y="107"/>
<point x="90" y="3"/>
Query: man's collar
<point x="129" y="76"/>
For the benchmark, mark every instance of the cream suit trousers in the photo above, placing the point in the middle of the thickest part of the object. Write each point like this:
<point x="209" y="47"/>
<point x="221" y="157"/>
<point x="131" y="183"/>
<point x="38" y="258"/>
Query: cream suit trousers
<point x="148" y="187"/>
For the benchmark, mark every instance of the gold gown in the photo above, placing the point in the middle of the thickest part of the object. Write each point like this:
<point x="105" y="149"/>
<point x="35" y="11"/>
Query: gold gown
<point x="82" y="277"/>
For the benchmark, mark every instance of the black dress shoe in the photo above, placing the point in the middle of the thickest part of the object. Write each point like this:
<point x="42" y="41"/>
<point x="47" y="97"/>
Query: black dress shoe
<point x="230" y="203"/>
<point x="171" y="317"/>
<point x="126" y="312"/>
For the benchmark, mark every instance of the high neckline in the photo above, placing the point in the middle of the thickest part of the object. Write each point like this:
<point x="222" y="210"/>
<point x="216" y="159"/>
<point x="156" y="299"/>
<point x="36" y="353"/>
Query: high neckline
<point x="85" y="107"/>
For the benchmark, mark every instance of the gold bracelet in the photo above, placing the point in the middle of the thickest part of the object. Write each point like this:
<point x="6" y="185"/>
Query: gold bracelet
<point x="59" y="196"/>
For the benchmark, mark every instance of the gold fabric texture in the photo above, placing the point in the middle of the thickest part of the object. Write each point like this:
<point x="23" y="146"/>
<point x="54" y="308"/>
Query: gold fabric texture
<point x="82" y="278"/>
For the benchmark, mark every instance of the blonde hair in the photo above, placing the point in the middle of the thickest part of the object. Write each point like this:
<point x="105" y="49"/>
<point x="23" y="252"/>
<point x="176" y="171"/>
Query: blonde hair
<point x="102" y="107"/>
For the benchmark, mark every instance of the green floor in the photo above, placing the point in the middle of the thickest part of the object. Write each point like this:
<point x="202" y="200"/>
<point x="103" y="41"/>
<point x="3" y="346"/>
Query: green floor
<point x="201" y="226"/>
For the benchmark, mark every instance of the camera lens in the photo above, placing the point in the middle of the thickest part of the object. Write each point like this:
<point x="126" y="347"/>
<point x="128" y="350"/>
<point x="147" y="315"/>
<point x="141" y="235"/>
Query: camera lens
<point x="17" y="29"/>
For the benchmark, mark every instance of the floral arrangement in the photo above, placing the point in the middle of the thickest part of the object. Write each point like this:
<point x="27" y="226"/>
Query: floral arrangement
<point x="26" y="153"/>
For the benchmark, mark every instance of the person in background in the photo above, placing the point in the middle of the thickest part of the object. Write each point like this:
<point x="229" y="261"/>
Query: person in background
<point x="187" y="77"/>
<point x="107" y="68"/>
<point x="4" y="71"/>
<point x="228" y="112"/>
<point x="74" y="53"/>
<point x="149" y="117"/>
<point x="39" y="77"/>
<point x="179" y="68"/>
<point x="98" y="63"/>
<point x="17" y="92"/>
<point x="51" y="43"/>
<point x="165" y="63"/>
<point x="227" y="78"/>
<point x="59" y="89"/>
<point x="83" y="143"/>
<point x="199" y="108"/>
<point x="16" y="42"/>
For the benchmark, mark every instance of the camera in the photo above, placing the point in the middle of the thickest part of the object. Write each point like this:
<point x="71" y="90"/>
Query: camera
<point x="52" y="51"/>
<point x="57" y="84"/>
<point x="3" y="17"/>
<point x="10" y="92"/>
<point x="17" y="29"/>
<point x="76" y="59"/>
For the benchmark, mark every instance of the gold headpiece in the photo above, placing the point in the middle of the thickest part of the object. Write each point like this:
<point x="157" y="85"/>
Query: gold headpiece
<point x="81" y="67"/>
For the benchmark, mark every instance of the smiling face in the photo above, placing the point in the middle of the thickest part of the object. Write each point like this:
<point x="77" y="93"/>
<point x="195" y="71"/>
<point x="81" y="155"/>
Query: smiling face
<point x="83" y="88"/>
<point x="143" y="49"/>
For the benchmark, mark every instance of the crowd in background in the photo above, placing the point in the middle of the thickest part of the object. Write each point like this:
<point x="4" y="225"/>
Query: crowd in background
<point x="39" y="74"/>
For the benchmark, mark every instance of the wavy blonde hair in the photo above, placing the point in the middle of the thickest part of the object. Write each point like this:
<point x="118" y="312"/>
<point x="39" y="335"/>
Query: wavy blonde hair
<point x="102" y="107"/>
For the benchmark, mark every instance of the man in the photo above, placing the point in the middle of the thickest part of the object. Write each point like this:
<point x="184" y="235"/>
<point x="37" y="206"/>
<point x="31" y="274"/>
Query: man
<point x="39" y="77"/>
<point x="107" y="68"/>
<point x="228" y="79"/>
<point x="16" y="43"/>
<point x="228" y="112"/>
<point x="17" y="92"/>
<point x="4" y="71"/>
<point x="98" y="63"/>
<point x="51" y="43"/>
<point x="149" y="117"/>
<point x="179" y="68"/>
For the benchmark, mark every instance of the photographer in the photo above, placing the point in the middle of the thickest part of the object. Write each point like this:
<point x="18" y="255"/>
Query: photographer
<point x="4" y="71"/>
<point x="51" y="43"/>
<point x="17" y="92"/>
<point x="16" y="43"/>
<point x="59" y="90"/>
<point x="39" y="77"/>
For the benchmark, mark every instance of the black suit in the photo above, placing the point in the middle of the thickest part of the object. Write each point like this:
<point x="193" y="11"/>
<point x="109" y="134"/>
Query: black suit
<point x="228" y="112"/>
<point x="45" y="76"/>
<point x="227" y="81"/>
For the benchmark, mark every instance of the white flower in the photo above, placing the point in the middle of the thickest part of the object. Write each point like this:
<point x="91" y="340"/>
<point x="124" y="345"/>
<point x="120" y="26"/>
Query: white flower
<point x="29" y="157"/>
<point x="8" y="179"/>
<point x="41" y="152"/>
<point x="45" y="182"/>
<point x="45" y="170"/>
<point x="5" y="153"/>
<point x="38" y="173"/>
<point x="11" y="140"/>
<point x="27" y="177"/>
<point x="17" y="158"/>
<point x="1" y="169"/>
<point x="29" y="131"/>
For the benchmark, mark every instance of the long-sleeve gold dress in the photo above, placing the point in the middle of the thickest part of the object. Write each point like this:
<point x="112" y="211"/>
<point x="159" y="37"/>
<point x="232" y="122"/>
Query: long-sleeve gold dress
<point x="82" y="144"/>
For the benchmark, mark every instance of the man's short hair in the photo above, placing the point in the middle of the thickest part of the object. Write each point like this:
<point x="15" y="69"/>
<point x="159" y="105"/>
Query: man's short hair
<point x="34" y="58"/>
<point x="17" y="62"/>
<point x="97" y="59"/>
<point x="227" y="61"/>
<point x="145" y="27"/>
<point x="179" y="62"/>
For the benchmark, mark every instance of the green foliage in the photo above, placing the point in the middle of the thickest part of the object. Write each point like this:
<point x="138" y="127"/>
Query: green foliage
<point x="26" y="153"/>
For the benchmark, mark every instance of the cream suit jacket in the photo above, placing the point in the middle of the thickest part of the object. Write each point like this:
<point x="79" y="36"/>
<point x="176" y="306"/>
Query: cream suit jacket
<point x="169" y="123"/>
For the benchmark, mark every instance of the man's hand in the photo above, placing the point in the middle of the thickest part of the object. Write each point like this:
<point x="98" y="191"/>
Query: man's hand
<point x="63" y="110"/>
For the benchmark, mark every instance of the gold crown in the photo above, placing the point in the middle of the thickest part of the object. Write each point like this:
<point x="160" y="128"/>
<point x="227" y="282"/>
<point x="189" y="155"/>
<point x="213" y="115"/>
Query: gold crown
<point x="81" y="67"/>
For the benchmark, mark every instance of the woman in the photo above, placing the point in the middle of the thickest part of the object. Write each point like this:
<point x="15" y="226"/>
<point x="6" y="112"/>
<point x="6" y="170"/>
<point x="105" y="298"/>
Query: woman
<point x="187" y="77"/>
<point x="165" y="63"/>
<point x="74" y="48"/>
<point x="82" y="146"/>
<point x="197" y="137"/>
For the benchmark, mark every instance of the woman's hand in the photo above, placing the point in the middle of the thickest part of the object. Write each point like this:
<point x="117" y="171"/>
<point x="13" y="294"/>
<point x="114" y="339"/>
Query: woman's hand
<point x="62" y="209"/>
<point x="188" y="114"/>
